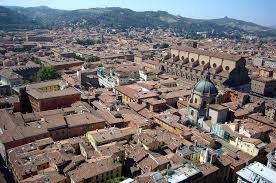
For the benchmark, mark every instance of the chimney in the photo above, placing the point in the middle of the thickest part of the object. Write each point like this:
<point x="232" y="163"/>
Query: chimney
<point x="195" y="143"/>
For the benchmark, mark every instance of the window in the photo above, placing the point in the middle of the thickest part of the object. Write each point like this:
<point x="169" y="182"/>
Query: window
<point x="192" y="59"/>
<point x="214" y="65"/>
<point x="204" y="104"/>
<point x="182" y="58"/>
<point x="196" y="100"/>
<point x="173" y="55"/>
<point x="202" y="62"/>
<point x="192" y="112"/>
<point x="227" y="68"/>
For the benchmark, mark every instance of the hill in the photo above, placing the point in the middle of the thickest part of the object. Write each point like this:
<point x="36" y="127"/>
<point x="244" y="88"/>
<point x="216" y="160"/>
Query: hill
<point x="122" y="18"/>
<point x="245" y="26"/>
<point x="11" y="20"/>
<point x="43" y="14"/>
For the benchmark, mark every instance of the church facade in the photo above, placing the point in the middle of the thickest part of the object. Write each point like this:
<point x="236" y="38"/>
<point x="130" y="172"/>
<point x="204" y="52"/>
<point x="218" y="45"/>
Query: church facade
<point x="204" y="93"/>
<point x="190" y="63"/>
<point x="204" y="108"/>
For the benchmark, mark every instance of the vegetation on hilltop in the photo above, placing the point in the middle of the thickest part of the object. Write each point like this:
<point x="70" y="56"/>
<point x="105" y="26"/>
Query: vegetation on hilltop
<point x="11" y="20"/>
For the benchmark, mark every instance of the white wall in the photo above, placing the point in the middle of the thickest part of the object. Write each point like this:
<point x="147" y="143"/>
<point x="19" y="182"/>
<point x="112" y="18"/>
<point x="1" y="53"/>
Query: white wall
<point x="218" y="116"/>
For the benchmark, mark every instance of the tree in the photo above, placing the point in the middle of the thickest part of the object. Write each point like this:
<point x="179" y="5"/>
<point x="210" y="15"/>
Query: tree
<point x="164" y="45"/>
<point x="115" y="180"/>
<point x="87" y="42"/>
<point x="79" y="57"/>
<point x="47" y="73"/>
<point x="92" y="59"/>
<point x="88" y="59"/>
<point x="36" y="60"/>
<point x="161" y="46"/>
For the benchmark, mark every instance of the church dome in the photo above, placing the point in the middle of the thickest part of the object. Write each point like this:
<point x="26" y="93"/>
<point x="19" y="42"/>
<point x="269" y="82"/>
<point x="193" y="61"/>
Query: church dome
<point x="205" y="88"/>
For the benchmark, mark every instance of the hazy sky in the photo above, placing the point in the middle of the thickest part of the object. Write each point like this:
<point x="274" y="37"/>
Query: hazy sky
<point x="258" y="11"/>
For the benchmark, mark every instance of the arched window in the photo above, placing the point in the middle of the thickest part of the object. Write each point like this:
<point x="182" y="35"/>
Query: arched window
<point x="196" y="100"/>
<point x="202" y="62"/>
<point x="182" y="58"/>
<point x="214" y="65"/>
<point x="227" y="68"/>
<point x="192" y="112"/>
<point x="192" y="60"/>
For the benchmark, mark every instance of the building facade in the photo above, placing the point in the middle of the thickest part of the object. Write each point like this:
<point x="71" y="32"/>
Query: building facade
<point x="52" y="95"/>
<point x="190" y="63"/>
<point x="264" y="83"/>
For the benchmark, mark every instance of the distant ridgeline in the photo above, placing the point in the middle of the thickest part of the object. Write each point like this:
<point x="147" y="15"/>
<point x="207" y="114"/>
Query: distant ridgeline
<point x="12" y="18"/>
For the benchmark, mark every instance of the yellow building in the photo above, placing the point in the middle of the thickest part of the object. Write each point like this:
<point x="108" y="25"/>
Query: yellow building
<point x="170" y="123"/>
<point x="50" y="88"/>
<point x="56" y="52"/>
<point x="193" y="153"/>
<point x="149" y="142"/>
<point x="105" y="136"/>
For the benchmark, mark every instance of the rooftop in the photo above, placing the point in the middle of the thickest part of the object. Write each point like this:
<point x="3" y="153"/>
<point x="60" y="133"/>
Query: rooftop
<point x="110" y="134"/>
<point x="35" y="91"/>
<point x="182" y="173"/>
<point x="257" y="172"/>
